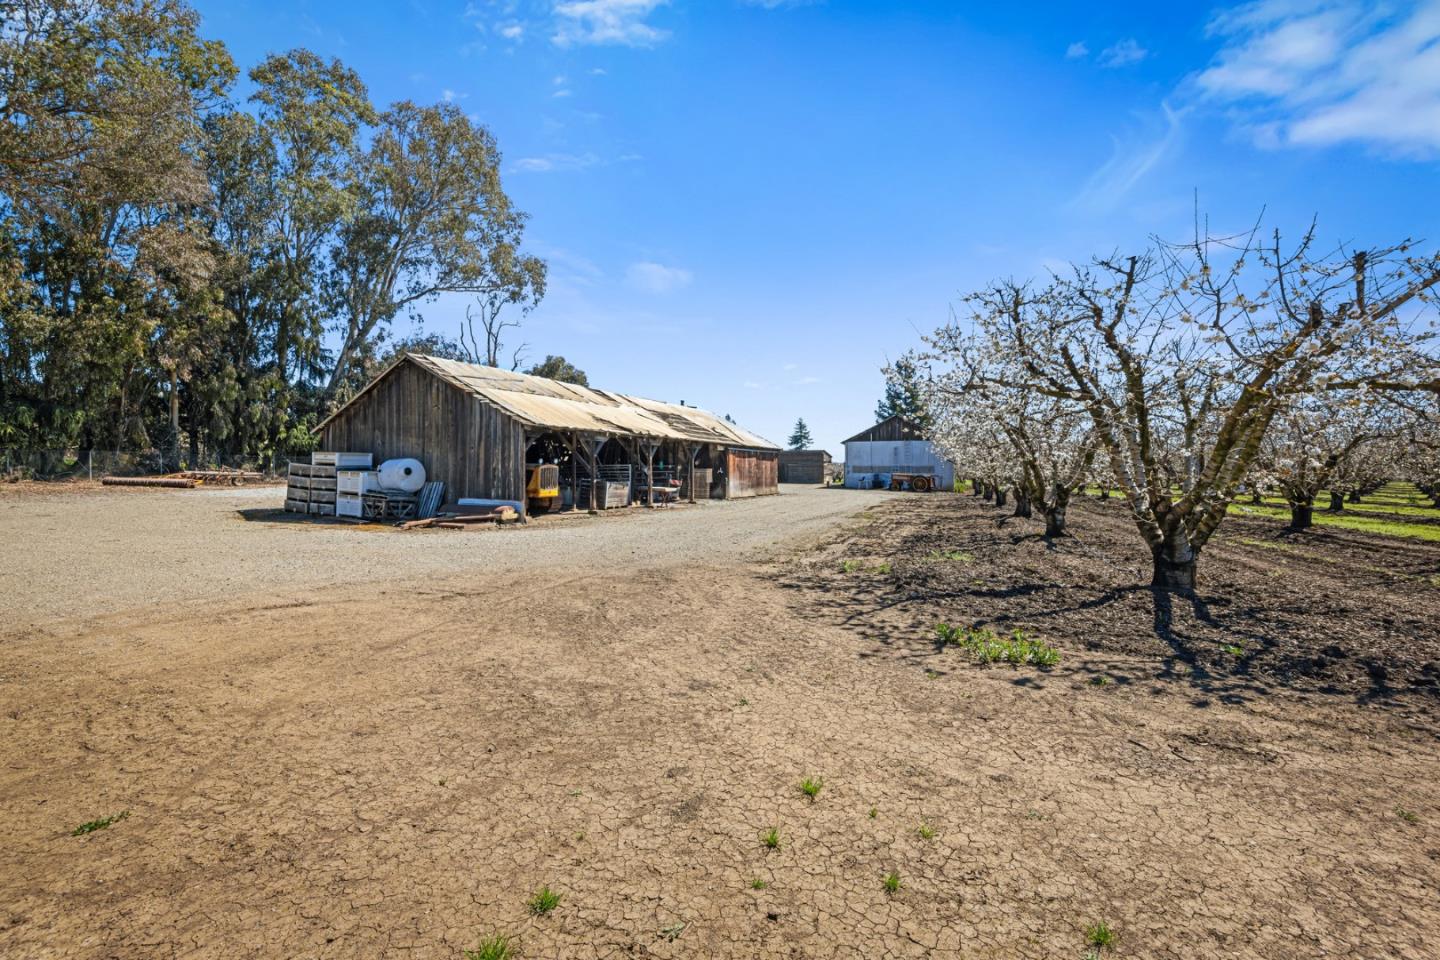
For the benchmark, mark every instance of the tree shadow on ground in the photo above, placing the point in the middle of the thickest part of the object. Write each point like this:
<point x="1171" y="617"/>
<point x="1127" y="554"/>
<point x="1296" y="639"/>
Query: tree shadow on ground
<point x="1246" y="634"/>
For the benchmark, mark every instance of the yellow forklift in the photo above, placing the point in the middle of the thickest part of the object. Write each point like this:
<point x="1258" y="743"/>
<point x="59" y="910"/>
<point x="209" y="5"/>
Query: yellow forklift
<point x="542" y="486"/>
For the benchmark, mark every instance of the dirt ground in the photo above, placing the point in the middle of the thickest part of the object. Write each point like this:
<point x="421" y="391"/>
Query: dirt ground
<point x="392" y="767"/>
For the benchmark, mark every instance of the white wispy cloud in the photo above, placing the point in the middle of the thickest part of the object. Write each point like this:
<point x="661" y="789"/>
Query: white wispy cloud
<point x="514" y="30"/>
<point x="607" y="22"/>
<point x="1077" y="51"/>
<point x="557" y="162"/>
<point x="1122" y="54"/>
<point x="657" y="277"/>
<point x="1325" y="72"/>
<point x="1130" y="160"/>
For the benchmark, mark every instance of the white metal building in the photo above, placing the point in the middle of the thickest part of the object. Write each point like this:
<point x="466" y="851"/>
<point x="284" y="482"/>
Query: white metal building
<point x="891" y="446"/>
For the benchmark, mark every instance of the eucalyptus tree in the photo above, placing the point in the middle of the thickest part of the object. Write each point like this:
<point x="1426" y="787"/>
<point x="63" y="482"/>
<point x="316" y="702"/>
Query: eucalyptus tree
<point x="1183" y="355"/>
<point x="430" y="217"/>
<point x="311" y="112"/>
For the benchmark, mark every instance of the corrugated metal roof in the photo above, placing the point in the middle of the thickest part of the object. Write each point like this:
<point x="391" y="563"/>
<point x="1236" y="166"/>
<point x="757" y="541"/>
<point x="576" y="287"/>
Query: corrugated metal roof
<point x="553" y="405"/>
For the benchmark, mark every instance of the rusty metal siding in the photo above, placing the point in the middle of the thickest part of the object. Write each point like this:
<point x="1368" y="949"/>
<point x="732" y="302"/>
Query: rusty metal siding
<point x="476" y="450"/>
<point x="751" y="473"/>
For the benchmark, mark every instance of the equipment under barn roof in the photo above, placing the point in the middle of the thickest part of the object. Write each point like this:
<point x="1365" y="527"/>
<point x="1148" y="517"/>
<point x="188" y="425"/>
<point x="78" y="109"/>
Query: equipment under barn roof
<point x="481" y="430"/>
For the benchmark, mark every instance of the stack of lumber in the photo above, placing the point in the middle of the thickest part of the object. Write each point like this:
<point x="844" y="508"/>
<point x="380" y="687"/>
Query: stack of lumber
<point x="172" y="481"/>
<point x="464" y="521"/>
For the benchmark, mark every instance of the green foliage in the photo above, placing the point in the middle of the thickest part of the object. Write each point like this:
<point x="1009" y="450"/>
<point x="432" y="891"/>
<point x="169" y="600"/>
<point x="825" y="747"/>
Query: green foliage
<point x="543" y="901"/>
<point x="926" y="832"/>
<point x="1099" y="935"/>
<point x="771" y="838"/>
<point x="891" y="883"/>
<point x="100" y="824"/>
<point x="1409" y="816"/>
<point x="800" y="438"/>
<point x="811" y="787"/>
<point x="170" y="258"/>
<point x="758" y="884"/>
<point x="903" y="394"/>
<point x="988" y="647"/>
<point x="491" y="948"/>
<point x="558" y="368"/>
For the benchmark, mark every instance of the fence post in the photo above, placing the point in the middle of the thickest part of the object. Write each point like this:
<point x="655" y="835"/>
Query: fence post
<point x="90" y="463"/>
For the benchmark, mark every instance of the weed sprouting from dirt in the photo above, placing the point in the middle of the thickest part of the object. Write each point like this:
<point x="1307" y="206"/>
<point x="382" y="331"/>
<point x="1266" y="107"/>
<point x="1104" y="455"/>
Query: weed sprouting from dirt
<point x="811" y="787"/>
<point x="849" y="566"/>
<point x="989" y="647"/>
<point x="771" y="838"/>
<point x="100" y="824"/>
<point x="1409" y="816"/>
<point x="744" y="702"/>
<point x="1099" y="681"/>
<point x="491" y="948"/>
<point x="874" y="813"/>
<point x="855" y="566"/>
<point x="892" y="882"/>
<point x="758" y="884"/>
<point x="957" y="556"/>
<point x="543" y="901"/>
<point x="1099" y="935"/>
<point x="672" y="932"/>
<point x="926" y="832"/>
<point x="1234" y="649"/>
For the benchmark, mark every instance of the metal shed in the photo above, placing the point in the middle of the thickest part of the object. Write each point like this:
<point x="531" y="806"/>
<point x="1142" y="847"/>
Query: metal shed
<point x="894" y="445"/>
<point x="475" y="427"/>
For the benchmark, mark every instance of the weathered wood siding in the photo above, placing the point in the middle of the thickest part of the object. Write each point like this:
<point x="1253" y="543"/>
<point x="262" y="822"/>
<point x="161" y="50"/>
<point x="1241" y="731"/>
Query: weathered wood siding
<point x="890" y="430"/>
<point x="803" y="466"/>
<point x="475" y="449"/>
<point x="751" y="473"/>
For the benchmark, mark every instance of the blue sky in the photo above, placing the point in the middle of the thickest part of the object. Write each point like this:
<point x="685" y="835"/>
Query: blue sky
<point x="749" y="206"/>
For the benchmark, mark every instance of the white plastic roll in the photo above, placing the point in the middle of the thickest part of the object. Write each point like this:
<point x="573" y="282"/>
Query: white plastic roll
<point x="405" y="475"/>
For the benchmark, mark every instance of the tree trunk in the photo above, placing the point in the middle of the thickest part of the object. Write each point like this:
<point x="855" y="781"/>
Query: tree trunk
<point x="1104" y="493"/>
<point x="977" y="489"/>
<point x="1255" y="497"/>
<point x="999" y="496"/>
<point x="1022" y="504"/>
<point x="1054" y="521"/>
<point x="1055" y="511"/>
<point x="1337" y="502"/>
<point x="1175" y="562"/>
<point x="1354" y="496"/>
<point x="1302" y="516"/>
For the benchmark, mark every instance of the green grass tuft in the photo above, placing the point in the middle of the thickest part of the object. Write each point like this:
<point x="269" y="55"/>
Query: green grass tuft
<point x="543" y="901"/>
<point x="1409" y="816"/>
<point x="988" y="647"/>
<point x="758" y="884"/>
<point x="771" y="838"/>
<point x="926" y="832"/>
<point x="1099" y="935"/>
<point x="892" y="882"/>
<point x="492" y="948"/>
<point x="100" y="824"/>
<point x="811" y="786"/>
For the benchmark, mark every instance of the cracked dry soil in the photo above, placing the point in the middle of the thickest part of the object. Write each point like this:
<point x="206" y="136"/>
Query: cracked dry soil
<point x="358" y="773"/>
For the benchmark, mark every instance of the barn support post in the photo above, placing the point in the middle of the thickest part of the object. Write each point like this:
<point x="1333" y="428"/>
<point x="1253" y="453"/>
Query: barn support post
<point x="650" y="447"/>
<point x="574" y="472"/>
<point x="692" y="451"/>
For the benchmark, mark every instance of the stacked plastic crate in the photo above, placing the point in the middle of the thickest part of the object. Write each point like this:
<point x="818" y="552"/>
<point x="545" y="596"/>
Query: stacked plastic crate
<point x="350" y="489"/>
<point x="314" y="487"/>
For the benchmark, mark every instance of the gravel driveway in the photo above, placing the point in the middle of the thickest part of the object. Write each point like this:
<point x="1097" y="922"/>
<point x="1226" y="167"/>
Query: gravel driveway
<point x="81" y="551"/>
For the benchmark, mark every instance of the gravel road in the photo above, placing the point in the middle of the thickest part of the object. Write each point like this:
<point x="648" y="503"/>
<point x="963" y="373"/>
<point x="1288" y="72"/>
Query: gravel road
<point x="81" y="551"/>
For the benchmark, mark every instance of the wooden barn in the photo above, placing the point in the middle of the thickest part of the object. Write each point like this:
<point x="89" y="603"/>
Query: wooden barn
<point x="804" y="466"/>
<point x="476" y="428"/>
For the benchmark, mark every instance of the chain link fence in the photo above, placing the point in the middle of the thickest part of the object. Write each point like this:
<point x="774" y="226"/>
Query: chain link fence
<point x="77" y="464"/>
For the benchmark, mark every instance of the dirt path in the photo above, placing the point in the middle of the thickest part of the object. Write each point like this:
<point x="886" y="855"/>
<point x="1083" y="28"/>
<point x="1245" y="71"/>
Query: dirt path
<point x="79" y="552"/>
<point x="392" y="771"/>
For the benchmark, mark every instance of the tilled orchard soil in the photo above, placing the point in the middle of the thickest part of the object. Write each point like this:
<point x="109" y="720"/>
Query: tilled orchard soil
<point x="392" y="769"/>
<point x="1327" y="612"/>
